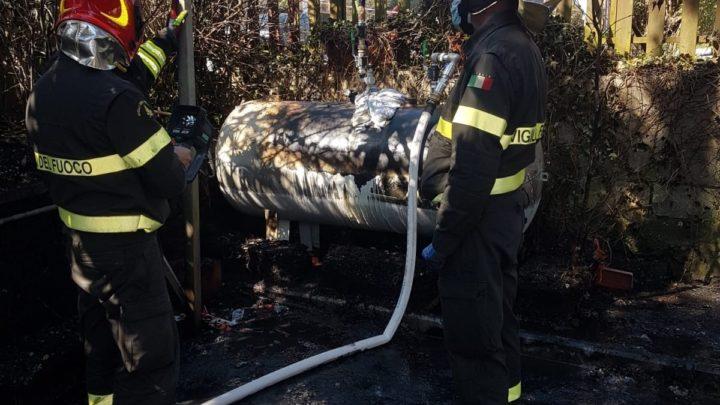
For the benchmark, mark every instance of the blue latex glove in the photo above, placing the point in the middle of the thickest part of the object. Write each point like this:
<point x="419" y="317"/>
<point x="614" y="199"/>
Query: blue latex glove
<point x="429" y="252"/>
<point x="430" y="255"/>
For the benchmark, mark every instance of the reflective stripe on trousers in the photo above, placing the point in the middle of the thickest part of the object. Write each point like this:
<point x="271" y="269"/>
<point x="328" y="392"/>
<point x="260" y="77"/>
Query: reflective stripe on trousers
<point x="514" y="393"/>
<point x="100" y="399"/>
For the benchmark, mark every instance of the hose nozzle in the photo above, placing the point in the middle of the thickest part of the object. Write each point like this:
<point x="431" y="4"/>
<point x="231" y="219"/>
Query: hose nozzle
<point x="449" y="61"/>
<point x="444" y="57"/>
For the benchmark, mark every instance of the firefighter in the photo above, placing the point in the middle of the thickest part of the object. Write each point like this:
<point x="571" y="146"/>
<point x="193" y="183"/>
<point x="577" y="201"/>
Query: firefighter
<point x="111" y="167"/>
<point x="475" y="169"/>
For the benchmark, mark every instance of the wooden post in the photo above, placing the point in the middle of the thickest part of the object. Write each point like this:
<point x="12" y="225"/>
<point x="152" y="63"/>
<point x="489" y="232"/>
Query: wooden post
<point x="593" y="9"/>
<point x="293" y="26"/>
<point x="273" y="23"/>
<point x="312" y="6"/>
<point x="325" y="10"/>
<point x="717" y="17"/>
<point x="370" y="9"/>
<point x="689" y="26"/>
<point x="381" y="9"/>
<point x="350" y="10"/>
<point x="335" y="11"/>
<point x="564" y="10"/>
<point x="621" y="12"/>
<point x="191" y="199"/>
<point x="655" y="29"/>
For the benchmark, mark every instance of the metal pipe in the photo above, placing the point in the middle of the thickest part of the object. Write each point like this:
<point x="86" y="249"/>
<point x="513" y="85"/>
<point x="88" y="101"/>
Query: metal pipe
<point x="397" y="315"/>
<point x="364" y="71"/>
<point x="27" y="214"/>
<point x="450" y="60"/>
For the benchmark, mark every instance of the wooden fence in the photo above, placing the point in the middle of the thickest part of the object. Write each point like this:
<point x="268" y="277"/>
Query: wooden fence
<point x="328" y="10"/>
<point x="617" y="22"/>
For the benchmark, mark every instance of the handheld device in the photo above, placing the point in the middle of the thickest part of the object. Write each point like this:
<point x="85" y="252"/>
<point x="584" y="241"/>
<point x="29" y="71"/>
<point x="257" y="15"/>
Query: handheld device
<point x="189" y="126"/>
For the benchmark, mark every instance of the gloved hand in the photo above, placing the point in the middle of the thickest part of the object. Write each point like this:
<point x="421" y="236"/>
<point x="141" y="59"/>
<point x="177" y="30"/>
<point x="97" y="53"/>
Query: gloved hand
<point x="429" y="252"/>
<point x="430" y="255"/>
<point x="184" y="154"/>
<point x="176" y="21"/>
<point x="174" y="24"/>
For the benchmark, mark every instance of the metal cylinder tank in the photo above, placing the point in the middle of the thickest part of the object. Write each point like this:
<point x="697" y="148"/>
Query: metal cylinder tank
<point x="305" y="161"/>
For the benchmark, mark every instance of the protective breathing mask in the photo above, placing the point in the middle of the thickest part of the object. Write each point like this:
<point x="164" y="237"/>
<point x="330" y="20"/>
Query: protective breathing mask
<point x="90" y="46"/>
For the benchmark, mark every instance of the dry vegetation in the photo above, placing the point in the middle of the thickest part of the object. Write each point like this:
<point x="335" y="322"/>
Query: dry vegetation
<point x="610" y="154"/>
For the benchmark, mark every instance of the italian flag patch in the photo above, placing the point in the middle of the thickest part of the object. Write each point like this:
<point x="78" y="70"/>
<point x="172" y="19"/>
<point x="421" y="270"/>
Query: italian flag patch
<point x="481" y="82"/>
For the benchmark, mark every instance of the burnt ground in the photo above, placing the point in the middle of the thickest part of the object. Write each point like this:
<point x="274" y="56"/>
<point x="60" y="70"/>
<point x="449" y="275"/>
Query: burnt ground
<point x="649" y="346"/>
<point x="15" y="154"/>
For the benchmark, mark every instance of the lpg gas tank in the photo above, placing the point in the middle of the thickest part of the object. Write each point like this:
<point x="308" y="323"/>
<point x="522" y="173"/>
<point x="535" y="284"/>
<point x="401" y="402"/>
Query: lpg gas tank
<point x="305" y="161"/>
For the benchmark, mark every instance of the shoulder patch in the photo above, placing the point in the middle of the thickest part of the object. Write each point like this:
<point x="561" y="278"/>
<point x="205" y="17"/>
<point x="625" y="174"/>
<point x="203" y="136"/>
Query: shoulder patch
<point x="144" y="110"/>
<point x="481" y="82"/>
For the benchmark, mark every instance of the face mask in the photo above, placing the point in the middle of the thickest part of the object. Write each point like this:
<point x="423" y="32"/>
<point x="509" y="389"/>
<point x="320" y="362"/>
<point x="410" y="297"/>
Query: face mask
<point x="460" y="17"/>
<point x="455" y="12"/>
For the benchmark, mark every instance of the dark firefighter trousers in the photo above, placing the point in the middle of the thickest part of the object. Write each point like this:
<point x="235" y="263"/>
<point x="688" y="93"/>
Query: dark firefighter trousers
<point x="478" y="285"/>
<point x="127" y="323"/>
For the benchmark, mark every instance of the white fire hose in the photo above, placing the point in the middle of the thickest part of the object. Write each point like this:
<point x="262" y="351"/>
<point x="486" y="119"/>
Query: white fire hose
<point x="237" y="394"/>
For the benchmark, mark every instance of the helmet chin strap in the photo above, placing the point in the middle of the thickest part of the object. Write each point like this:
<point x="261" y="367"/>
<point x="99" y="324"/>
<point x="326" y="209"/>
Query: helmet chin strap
<point x="484" y="9"/>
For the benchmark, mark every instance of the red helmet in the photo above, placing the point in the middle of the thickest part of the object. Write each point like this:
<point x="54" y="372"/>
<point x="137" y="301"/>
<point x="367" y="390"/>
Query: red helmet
<point x="120" y="18"/>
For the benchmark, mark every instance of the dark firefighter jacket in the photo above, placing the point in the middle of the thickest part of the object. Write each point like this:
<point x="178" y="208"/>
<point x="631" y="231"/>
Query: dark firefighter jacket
<point x="488" y="128"/>
<point x="109" y="165"/>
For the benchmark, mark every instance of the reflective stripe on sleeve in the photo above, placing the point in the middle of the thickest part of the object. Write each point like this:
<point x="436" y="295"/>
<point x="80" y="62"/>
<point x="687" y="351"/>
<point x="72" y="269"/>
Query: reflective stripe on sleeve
<point x="107" y="164"/>
<point x="108" y="224"/>
<point x="515" y="393"/>
<point x="444" y="128"/>
<point x="527" y="135"/>
<point x="149" y="62"/>
<point x="155" y="51"/>
<point x="88" y="167"/>
<point x="508" y="184"/>
<point x="145" y="152"/>
<point x="523" y="136"/>
<point x="481" y="120"/>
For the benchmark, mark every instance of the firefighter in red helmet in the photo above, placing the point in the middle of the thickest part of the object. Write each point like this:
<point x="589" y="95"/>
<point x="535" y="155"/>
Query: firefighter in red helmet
<point x="110" y="168"/>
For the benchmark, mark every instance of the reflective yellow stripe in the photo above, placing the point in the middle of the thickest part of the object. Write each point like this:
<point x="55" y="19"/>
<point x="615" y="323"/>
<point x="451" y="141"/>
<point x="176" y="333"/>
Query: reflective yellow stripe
<point x="502" y="186"/>
<point x="108" y="224"/>
<point x="155" y="51"/>
<point x="149" y="62"/>
<point x="143" y="153"/>
<point x="527" y="135"/>
<point x="88" y="167"/>
<point x="100" y="399"/>
<point x="505" y="141"/>
<point x="515" y="393"/>
<point x="107" y="164"/>
<point x="444" y="128"/>
<point x="522" y="136"/>
<point x="481" y="120"/>
<point x="508" y="184"/>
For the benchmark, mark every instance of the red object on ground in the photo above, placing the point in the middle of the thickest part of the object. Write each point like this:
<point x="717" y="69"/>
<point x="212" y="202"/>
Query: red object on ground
<point x="613" y="278"/>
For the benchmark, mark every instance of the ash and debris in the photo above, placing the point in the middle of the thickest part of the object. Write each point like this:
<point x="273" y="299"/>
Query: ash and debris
<point x="17" y="169"/>
<point x="412" y="369"/>
<point x="248" y="332"/>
